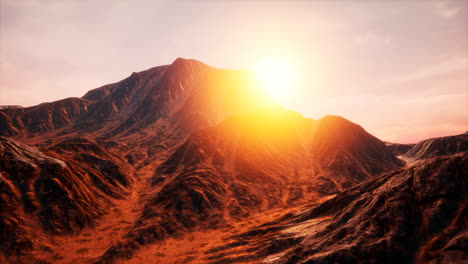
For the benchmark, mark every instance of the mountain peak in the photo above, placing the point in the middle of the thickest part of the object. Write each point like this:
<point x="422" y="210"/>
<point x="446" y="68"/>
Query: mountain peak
<point x="180" y="62"/>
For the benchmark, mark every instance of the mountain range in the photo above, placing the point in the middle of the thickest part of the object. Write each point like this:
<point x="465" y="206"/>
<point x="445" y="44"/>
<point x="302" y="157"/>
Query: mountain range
<point x="186" y="163"/>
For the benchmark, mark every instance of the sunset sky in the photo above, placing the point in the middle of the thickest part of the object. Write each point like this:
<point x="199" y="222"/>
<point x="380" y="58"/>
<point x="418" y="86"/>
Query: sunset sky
<point x="398" y="68"/>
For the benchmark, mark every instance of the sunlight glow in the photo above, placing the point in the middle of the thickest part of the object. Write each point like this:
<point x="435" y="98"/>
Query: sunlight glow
<point x="276" y="76"/>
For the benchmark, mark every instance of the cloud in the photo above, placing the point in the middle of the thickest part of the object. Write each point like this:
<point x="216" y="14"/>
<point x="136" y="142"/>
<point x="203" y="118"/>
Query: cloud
<point x="446" y="9"/>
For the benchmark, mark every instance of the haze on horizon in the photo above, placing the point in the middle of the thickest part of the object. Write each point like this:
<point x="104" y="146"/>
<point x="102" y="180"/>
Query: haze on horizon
<point x="398" y="68"/>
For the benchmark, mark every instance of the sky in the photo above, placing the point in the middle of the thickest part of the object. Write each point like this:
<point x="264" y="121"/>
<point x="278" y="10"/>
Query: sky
<point x="397" y="68"/>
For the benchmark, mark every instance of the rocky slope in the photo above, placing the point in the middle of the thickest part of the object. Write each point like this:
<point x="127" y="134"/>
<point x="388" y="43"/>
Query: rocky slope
<point x="434" y="147"/>
<point x="41" y="118"/>
<point x="413" y="215"/>
<point x="14" y="235"/>
<point x="67" y="187"/>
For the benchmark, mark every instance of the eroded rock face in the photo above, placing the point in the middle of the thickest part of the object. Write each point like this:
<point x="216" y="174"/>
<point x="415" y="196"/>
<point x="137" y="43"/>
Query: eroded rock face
<point x="66" y="195"/>
<point x="13" y="232"/>
<point x="412" y="215"/>
<point x="434" y="147"/>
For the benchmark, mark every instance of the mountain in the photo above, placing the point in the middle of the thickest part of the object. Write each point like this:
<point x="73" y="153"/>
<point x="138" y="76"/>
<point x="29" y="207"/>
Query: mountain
<point x="148" y="168"/>
<point x="145" y="113"/>
<point x="413" y="215"/>
<point x="249" y="164"/>
<point x="41" y="118"/>
<point x="399" y="149"/>
<point x="434" y="147"/>
<point x="180" y="98"/>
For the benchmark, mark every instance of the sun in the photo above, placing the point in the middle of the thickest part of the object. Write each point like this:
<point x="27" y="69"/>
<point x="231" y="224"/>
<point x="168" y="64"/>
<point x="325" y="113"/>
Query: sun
<point x="276" y="76"/>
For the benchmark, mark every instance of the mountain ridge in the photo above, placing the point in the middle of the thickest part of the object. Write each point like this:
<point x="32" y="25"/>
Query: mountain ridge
<point x="180" y="149"/>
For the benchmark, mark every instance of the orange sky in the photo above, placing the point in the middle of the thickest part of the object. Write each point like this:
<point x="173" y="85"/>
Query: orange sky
<point x="398" y="68"/>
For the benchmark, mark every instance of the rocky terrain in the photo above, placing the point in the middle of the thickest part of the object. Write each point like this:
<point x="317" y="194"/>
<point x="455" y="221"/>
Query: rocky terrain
<point x="412" y="215"/>
<point x="244" y="166"/>
<point x="399" y="149"/>
<point x="186" y="163"/>
<point x="434" y="147"/>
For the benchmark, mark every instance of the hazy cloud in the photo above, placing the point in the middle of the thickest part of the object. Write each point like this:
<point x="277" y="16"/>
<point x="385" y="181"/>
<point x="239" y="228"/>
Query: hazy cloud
<point x="446" y="9"/>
